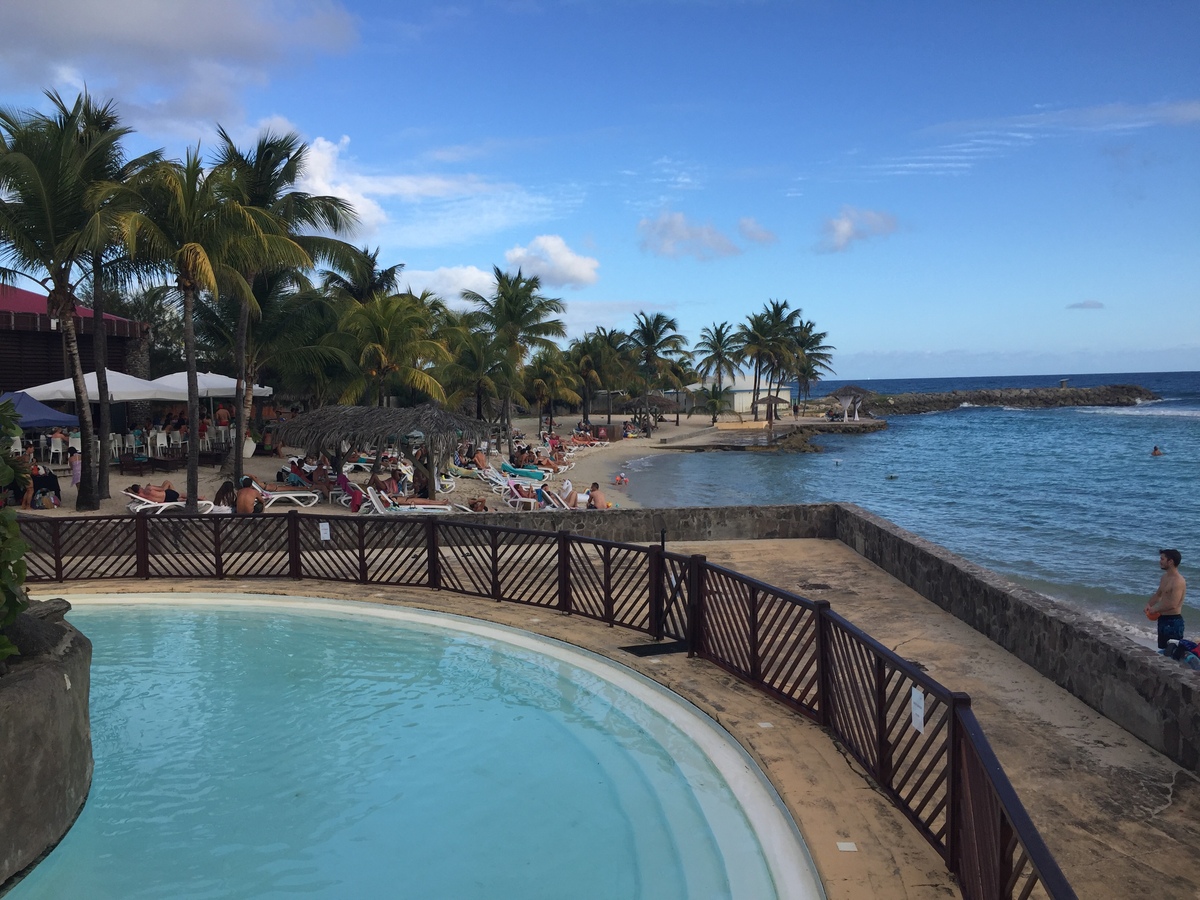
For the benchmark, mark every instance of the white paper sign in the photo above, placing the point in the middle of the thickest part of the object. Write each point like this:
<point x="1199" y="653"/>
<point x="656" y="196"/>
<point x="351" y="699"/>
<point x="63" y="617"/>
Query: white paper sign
<point x="918" y="709"/>
<point x="324" y="527"/>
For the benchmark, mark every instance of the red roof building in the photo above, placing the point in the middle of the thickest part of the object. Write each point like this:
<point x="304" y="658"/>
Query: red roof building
<point x="31" y="345"/>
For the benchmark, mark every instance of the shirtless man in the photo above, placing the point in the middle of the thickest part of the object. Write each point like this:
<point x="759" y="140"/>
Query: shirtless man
<point x="596" y="498"/>
<point x="1167" y="601"/>
<point x="249" y="497"/>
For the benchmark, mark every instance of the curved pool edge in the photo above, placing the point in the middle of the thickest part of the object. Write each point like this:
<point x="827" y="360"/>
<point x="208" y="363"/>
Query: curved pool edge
<point x="784" y="849"/>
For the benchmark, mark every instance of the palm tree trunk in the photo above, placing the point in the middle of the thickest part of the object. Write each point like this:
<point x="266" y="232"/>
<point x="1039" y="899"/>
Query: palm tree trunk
<point x="100" y="352"/>
<point x="189" y="353"/>
<point x="233" y="462"/>
<point x="62" y="305"/>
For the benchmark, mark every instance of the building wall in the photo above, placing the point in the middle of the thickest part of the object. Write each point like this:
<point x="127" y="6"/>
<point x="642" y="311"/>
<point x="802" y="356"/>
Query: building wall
<point x="28" y="358"/>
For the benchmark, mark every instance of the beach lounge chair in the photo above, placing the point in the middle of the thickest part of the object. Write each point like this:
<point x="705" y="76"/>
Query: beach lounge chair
<point x="384" y="507"/>
<point x="518" y="500"/>
<point x="139" y="504"/>
<point x="527" y="474"/>
<point x="300" y="498"/>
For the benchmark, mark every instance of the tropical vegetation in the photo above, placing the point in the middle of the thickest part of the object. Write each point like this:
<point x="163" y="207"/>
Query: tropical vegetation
<point x="238" y="270"/>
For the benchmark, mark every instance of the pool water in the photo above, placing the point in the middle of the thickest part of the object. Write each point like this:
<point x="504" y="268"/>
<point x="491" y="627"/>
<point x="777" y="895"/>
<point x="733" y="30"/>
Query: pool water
<point x="334" y="750"/>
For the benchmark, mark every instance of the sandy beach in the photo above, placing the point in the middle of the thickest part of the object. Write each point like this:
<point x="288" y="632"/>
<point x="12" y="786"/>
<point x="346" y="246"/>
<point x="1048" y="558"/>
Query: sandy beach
<point x="589" y="464"/>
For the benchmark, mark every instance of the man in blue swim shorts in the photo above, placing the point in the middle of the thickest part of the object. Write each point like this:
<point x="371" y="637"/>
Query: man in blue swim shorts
<point x="1167" y="601"/>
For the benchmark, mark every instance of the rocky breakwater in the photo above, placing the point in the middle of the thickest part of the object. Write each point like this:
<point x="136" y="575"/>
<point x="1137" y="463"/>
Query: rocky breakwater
<point x="45" y="735"/>
<point x="880" y="405"/>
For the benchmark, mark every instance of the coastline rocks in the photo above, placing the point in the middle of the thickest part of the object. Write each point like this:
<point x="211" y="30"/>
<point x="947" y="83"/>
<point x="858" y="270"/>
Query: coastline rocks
<point x="1018" y="398"/>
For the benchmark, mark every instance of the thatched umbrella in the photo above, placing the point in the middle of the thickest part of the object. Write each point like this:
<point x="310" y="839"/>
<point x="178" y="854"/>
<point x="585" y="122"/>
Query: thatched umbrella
<point x="770" y="401"/>
<point x="438" y="430"/>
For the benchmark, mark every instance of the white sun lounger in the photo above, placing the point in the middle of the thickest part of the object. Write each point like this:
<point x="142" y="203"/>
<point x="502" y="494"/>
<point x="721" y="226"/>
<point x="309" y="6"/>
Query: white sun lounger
<point x="300" y="498"/>
<point x="139" y="504"/>
<point x="400" y="509"/>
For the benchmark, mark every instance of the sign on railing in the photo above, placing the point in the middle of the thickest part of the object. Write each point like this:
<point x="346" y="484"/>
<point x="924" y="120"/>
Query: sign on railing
<point x="918" y="740"/>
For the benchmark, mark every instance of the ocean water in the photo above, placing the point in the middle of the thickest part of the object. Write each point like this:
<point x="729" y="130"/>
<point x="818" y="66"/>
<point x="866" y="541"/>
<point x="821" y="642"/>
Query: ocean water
<point x="1068" y="502"/>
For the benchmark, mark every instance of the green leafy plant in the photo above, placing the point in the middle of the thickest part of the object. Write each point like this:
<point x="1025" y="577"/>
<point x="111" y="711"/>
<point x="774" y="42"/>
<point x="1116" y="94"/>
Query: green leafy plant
<point x="12" y="548"/>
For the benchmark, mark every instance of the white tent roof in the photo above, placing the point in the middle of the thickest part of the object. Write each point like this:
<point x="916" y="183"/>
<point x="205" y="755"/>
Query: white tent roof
<point x="121" y="387"/>
<point x="211" y="384"/>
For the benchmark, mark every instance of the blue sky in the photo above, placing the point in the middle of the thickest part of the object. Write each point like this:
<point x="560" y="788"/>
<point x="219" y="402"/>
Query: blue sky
<point x="946" y="188"/>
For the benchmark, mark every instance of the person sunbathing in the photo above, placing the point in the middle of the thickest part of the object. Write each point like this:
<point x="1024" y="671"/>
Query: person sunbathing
<point x="158" y="493"/>
<point x="389" y="501"/>
<point x="390" y="485"/>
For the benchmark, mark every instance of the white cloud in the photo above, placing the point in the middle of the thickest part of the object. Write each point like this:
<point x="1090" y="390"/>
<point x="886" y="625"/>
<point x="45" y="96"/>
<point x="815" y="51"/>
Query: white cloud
<point x="852" y="225"/>
<point x="673" y="235"/>
<point x="556" y="264"/>
<point x="1086" y="304"/>
<point x="752" y="231"/>
<point x="417" y="210"/>
<point x="174" y="70"/>
<point x="448" y="282"/>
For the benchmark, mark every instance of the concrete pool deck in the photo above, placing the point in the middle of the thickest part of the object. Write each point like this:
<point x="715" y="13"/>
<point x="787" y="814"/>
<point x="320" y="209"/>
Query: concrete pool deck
<point x="1112" y="811"/>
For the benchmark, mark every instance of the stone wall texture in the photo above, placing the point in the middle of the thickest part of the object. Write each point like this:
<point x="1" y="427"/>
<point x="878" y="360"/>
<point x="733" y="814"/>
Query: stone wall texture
<point x="45" y="751"/>
<point x="1155" y="699"/>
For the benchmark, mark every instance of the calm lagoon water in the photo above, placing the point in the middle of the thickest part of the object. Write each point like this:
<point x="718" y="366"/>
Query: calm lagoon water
<point x="266" y="753"/>
<point x="1066" y="501"/>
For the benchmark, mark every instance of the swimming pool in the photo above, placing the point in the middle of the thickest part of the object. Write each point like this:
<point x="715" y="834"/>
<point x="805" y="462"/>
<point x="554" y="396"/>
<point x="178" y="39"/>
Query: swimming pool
<point x="256" y="746"/>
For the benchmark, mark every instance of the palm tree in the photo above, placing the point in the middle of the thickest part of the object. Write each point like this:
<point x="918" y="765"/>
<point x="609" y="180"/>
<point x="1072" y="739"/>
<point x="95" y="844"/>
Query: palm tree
<point x="654" y="343"/>
<point x="719" y="353"/>
<point x="390" y="339"/>
<point x="519" y="318"/>
<point x="187" y="219"/>
<point x="713" y="401"/>
<point x="362" y="278"/>
<point x="107" y="265"/>
<point x="263" y="178"/>
<point x="49" y="228"/>
<point x="475" y="369"/>
<point x="549" y="377"/>
<point x="815" y="356"/>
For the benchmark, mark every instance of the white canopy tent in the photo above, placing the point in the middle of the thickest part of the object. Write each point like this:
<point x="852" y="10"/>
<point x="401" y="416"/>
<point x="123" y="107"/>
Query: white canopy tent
<point x="210" y="383"/>
<point x="121" y="388"/>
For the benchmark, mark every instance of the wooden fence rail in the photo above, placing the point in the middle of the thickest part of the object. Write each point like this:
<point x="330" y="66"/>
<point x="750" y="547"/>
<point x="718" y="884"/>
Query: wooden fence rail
<point x="919" y="741"/>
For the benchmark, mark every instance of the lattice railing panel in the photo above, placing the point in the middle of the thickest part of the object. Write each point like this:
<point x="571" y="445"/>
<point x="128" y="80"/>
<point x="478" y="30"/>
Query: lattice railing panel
<point x="466" y="558"/>
<point x="852" y="703"/>
<point x="726" y="622"/>
<point x="38" y="534"/>
<point x="628" y="577"/>
<point x="182" y="547"/>
<point x="917" y="766"/>
<point x="98" y="548"/>
<point x="395" y="551"/>
<point x="677" y="599"/>
<point x="335" y="559"/>
<point x="788" y="657"/>
<point x="589" y="577"/>
<point x="255" y="547"/>
<point x="527" y="567"/>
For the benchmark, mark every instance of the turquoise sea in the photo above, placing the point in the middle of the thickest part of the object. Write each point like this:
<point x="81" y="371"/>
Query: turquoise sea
<point x="1068" y="502"/>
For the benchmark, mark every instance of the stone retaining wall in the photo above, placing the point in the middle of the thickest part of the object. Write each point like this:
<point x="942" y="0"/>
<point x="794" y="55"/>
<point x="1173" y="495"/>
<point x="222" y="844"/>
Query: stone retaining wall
<point x="45" y="750"/>
<point x="1155" y="699"/>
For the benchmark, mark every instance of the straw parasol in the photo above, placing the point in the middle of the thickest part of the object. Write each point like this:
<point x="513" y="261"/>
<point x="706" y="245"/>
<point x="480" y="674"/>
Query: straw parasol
<point x="435" y="428"/>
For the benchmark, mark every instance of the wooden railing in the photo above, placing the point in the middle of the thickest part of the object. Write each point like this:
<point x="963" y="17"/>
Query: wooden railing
<point x="919" y="741"/>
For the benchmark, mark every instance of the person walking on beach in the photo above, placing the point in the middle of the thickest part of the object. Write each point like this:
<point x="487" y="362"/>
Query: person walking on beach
<point x="1167" y="601"/>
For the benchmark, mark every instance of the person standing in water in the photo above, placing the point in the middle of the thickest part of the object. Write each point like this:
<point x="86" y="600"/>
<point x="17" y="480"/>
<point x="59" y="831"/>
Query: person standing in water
<point x="1167" y="601"/>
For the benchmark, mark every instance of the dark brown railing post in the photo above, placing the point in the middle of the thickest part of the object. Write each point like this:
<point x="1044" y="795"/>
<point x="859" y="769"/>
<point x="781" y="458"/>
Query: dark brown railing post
<point x="954" y="787"/>
<point x="824" y="691"/>
<point x="56" y="547"/>
<point x="294" y="568"/>
<point x="141" y="544"/>
<point x="433" y="564"/>
<point x="564" y="571"/>
<point x="654" y="565"/>
<point x="882" y="752"/>
<point x="606" y="552"/>
<point x="697" y="570"/>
